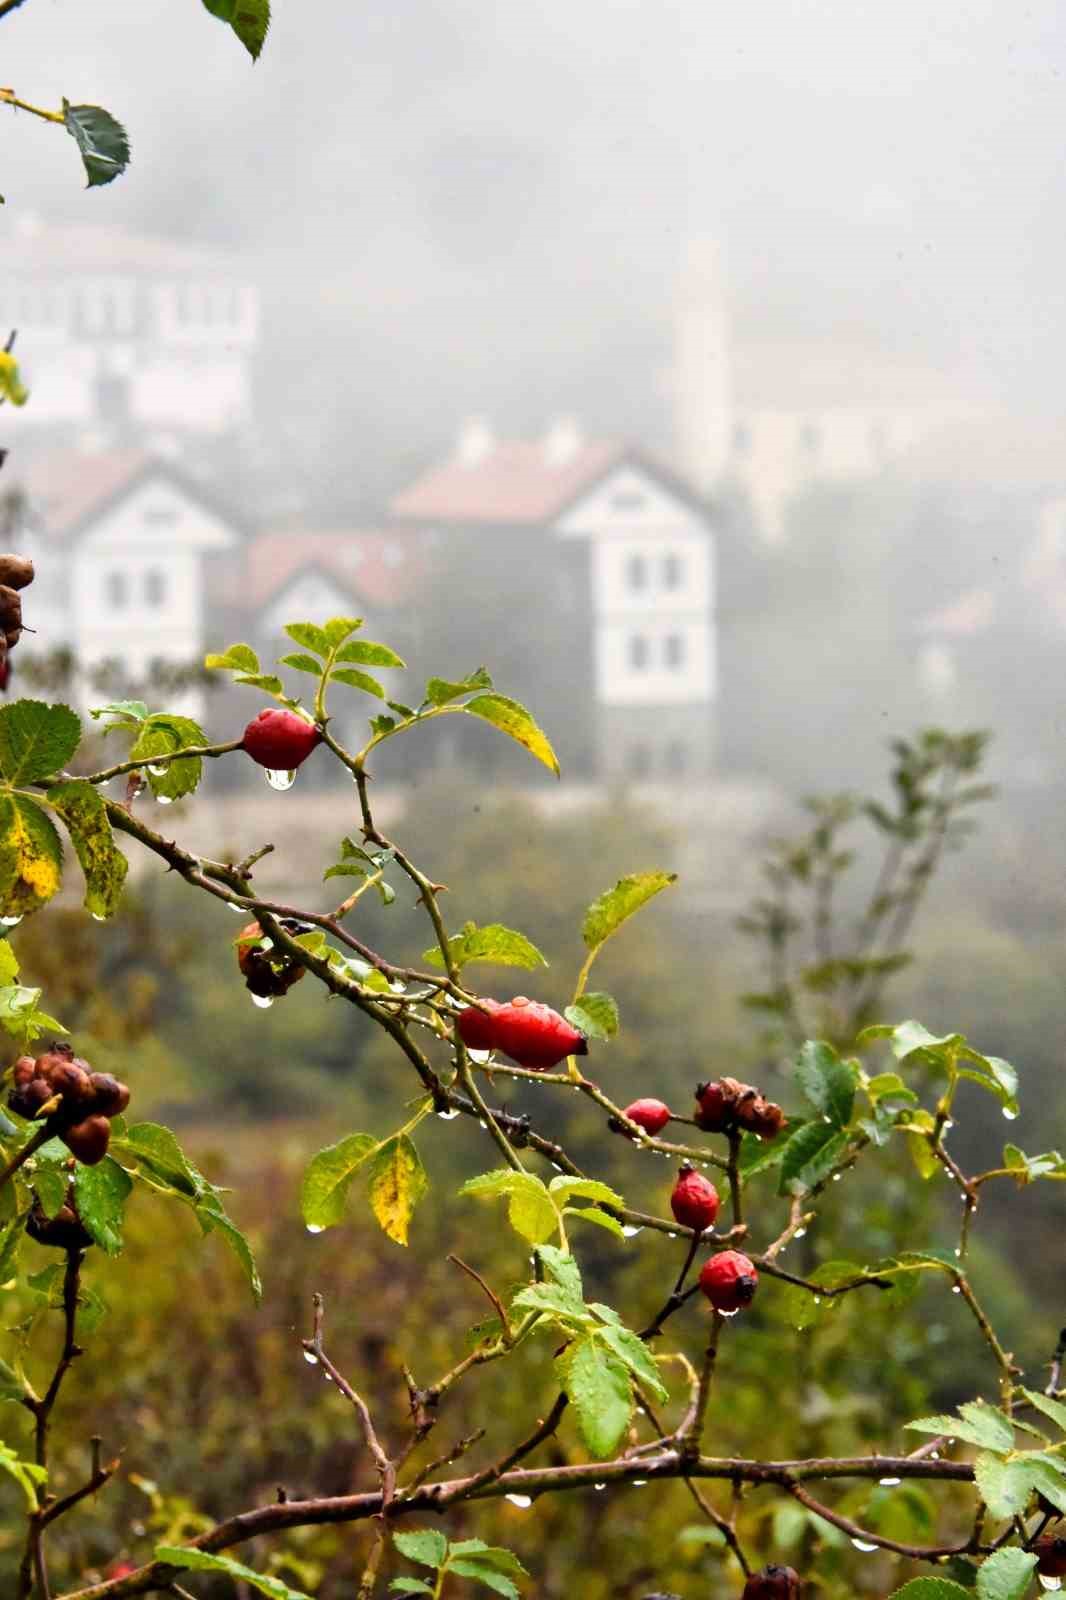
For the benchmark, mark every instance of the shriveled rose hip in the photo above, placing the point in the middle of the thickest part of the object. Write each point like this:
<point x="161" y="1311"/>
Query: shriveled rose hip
<point x="694" y="1200"/>
<point x="773" y="1583"/>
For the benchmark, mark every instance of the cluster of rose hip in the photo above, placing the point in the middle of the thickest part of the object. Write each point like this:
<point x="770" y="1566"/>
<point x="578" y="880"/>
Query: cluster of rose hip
<point x="78" y="1102"/>
<point x="15" y="573"/>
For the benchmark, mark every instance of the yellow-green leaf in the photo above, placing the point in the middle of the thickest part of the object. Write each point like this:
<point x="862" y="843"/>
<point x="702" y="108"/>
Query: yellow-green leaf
<point x="397" y="1183"/>
<point x="31" y="856"/>
<point x="102" y="862"/>
<point x="513" y="719"/>
<point x="326" y="1182"/>
<point x="606" y="915"/>
<point x="11" y="387"/>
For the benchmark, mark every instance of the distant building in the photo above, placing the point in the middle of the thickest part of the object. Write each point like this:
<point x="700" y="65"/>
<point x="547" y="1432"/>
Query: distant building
<point x="635" y="551"/>
<point x="125" y="337"/>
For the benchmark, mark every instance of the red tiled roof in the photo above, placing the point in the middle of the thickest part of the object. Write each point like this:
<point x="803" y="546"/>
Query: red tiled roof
<point x="515" y="481"/>
<point x="66" y="486"/>
<point x="383" y="568"/>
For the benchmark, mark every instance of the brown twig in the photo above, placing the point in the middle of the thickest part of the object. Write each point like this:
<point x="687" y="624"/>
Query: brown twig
<point x="313" y="1347"/>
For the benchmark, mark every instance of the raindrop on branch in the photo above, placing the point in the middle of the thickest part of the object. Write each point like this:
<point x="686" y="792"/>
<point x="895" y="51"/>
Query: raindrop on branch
<point x="10" y="922"/>
<point x="164" y="800"/>
<point x="315" y="1227"/>
<point x="1010" y="1116"/>
<point x="889" y="1483"/>
<point x="157" y="770"/>
<point x="522" y="1501"/>
<point x="864" y="1546"/>
<point x="310" y="1358"/>
<point x="630" y="1231"/>
<point x="449" y="1115"/>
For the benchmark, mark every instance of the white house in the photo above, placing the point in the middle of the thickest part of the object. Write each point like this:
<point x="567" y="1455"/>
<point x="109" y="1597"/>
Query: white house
<point x="120" y="542"/>
<point x="122" y="334"/>
<point x="648" y="545"/>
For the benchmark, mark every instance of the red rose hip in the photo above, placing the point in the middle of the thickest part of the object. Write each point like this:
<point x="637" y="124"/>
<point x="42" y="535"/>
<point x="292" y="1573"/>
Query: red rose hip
<point x="280" y="740"/>
<point x="694" y="1200"/>
<point x="476" y="1025"/>
<point x="773" y="1583"/>
<point x="729" y="1281"/>
<point x="714" y="1110"/>
<point x="535" y="1036"/>
<point x="651" y="1115"/>
<point x="1050" y="1551"/>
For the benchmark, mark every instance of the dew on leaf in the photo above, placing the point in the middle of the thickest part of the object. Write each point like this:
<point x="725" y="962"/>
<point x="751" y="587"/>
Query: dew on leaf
<point x="97" y="916"/>
<point x="1010" y="1116"/>
<point x="1047" y="1582"/>
<point x="157" y="769"/>
<point x="164" y="800"/>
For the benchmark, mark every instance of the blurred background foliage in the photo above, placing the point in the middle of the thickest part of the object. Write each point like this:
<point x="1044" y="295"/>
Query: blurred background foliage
<point x="210" y="1401"/>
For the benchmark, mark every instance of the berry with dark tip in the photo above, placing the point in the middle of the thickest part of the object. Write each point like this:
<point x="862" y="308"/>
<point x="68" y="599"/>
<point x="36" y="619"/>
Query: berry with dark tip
<point x="714" y="1112"/>
<point x="88" y="1140"/>
<point x="1050" y="1551"/>
<point x="729" y="1281"/>
<point x="280" y="739"/>
<point x="694" y="1200"/>
<point x="535" y="1036"/>
<point x="773" y="1583"/>
<point x="651" y="1115"/>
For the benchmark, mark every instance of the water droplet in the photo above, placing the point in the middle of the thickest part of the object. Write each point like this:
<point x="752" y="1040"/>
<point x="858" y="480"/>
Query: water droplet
<point x="630" y="1231"/>
<point x="266" y="944"/>
<point x="310" y="1358"/>
<point x="164" y="800"/>
<point x="240" y="910"/>
<point x="1010" y="1116"/>
<point x="956" y="1290"/>
<point x="638" y="1483"/>
<point x="449" y="1115"/>
<point x="958" y="1253"/>
<point x="671" y="1235"/>
<point x="326" y="1375"/>
<point x="479" y="1057"/>
<point x="10" y="922"/>
<point x="863" y="1545"/>
<point x="314" y="1227"/>
<point x="598" y="1486"/>
<point x="481" y="1122"/>
<point x="1049" y="1583"/>
<point x="735" y="1313"/>
<point x="280" y="780"/>
<point x="263" y="1001"/>
<point x="157" y="769"/>
<point x="889" y="1483"/>
<point x="97" y="916"/>
<point x="800" y="1233"/>
<point x="836" y="1179"/>
<point x="817" y="1299"/>
<point x="522" y="1501"/>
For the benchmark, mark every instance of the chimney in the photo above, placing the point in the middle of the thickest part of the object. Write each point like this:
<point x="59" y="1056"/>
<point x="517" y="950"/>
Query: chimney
<point x="475" y="443"/>
<point x="562" y="441"/>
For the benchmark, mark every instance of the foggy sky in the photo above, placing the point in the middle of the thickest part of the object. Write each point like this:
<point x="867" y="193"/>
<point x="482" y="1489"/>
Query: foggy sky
<point x="461" y="205"/>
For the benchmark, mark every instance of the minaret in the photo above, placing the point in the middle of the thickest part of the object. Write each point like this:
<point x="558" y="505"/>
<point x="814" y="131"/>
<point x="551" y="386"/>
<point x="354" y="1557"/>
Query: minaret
<point x="702" y="388"/>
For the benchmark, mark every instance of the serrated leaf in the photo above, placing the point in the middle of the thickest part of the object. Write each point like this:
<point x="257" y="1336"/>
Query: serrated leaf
<point x="809" y="1154"/>
<point x="50" y="1183"/>
<point x="337" y="629"/>
<point x="931" y="1589"/>
<point x="564" y="1190"/>
<point x="237" y="658"/>
<point x="187" y="1560"/>
<point x="494" y="943"/>
<point x="311" y="636"/>
<point x="977" y="1423"/>
<point x="513" y="719"/>
<point x="13" y="1388"/>
<point x="424" y="1545"/>
<point x="365" y="653"/>
<point x="440" y="692"/>
<point x="759" y="1155"/>
<point x="102" y="862"/>
<point x="249" y="19"/>
<point x="634" y="1354"/>
<point x="1004" y="1486"/>
<point x="102" y="141"/>
<point x="31" y="856"/>
<point x="36" y="740"/>
<point x="1006" y="1575"/>
<point x="300" y="663"/>
<point x="410" y="1586"/>
<point x="357" y="680"/>
<point x="397" y="1183"/>
<point x="489" y="1555"/>
<point x="549" y="1300"/>
<point x="212" y="1216"/>
<point x="161" y="735"/>
<point x="602" y="1219"/>
<point x="122" y="711"/>
<point x="26" y="1474"/>
<point x="595" y="1015"/>
<point x="9" y="967"/>
<point x="155" y="1149"/>
<point x="498" y="1582"/>
<point x="606" y="915"/>
<point x="324" y="1191"/>
<point x="598" y="1387"/>
<point x="561" y="1267"/>
<point x="269" y="682"/>
<point x="102" y="1192"/>
<point x="828" y="1083"/>
<point x="911" y="1040"/>
<point x="1050" y="1407"/>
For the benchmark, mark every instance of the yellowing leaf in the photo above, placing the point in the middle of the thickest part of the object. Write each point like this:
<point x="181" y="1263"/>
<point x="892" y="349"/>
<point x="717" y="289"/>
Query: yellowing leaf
<point x="31" y="856"/>
<point x="11" y="387"/>
<point x="607" y="914"/>
<point x="512" y="718"/>
<point x="397" y="1183"/>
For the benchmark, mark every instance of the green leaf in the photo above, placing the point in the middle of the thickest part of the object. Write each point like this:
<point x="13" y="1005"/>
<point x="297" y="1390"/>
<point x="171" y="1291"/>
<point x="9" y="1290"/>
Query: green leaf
<point x="564" y="1189"/>
<point x="365" y="653"/>
<point x="85" y="815"/>
<point x="489" y="1555"/>
<point x="597" y="1386"/>
<point x="161" y="735"/>
<point x="337" y="629"/>
<point x="759" y="1155"/>
<point x="36" y="740"/>
<point x="562" y="1269"/>
<point x="513" y="719"/>
<point x="102" y="1192"/>
<point x="498" y="1582"/>
<point x="397" y="1183"/>
<point x="311" y="636"/>
<point x="633" y="1353"/>
<point x="122" y="713"/>
<point x="9" y="967"/>
<point x="267" y="681"/>
<point x="606" y="915"/>
<point x="212" y="1216"/>
<point x="50" y="1182"/>
<point x="828" y="1084"/>
<point x="410" y="1586"/>
<point x="324" y="1192"/>
<point x="31" y="855"/>
<point x="357" y="680"/>
<point x="1051" y="1408"/>
<point x="808" y="1155"/>
<point x="531" y="1210"/>
<point x="1006" y="1575"/>
<point x="595" y="1014"/>
<point x="237" y="658"/>
<point x="440" y="692"/>
<point x="155" y="1150"/>
<point x="889" y="1086"/>
<point x="977" y="1423"/>
<point x="11" y="385"/>
<point x="424" y="1545"/>
<point x="300" y="663"/>
<point x="602" y="1219"/>
<point x="21" y="1018"/>
<point x="911" y="1042"/>
<point x="547" y="1299"/>
<point x="249" y="20"/>
<point x="12" y="1386"/>
<point x="101" y="139"/>
<point x="495" y="943"/>
<point x="26" y="1474"/>
<point x="931" y="1589"/>
<point x="202" y="1561"/>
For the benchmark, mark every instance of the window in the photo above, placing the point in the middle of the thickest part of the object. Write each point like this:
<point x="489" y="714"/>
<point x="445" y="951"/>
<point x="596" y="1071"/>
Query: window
<point x="638" y="652"/>
<point x="674" y="651"/>
<point x="155" y="588"/>
<point x="671" y="571"/>
<point x="636" y="573"/>
<point x="115" y="590"/>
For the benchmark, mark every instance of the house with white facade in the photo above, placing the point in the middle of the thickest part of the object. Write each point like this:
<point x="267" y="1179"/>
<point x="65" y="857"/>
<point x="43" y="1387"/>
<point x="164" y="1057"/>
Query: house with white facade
<point x="635" y="549"/>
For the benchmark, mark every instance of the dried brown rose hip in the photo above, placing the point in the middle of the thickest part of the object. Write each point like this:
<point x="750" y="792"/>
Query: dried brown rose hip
<point x="694" y="1200"/>
<point x="714" y="1113"/>
<point x="761" y="1117"/>
<point x="773" y="1583"/>
<point x="729" y="1104"/>
<point x="109" y="1097"/>
<point x="1050" y="1552"/>
<point x="261" y="975"/>
<point x="88" y="1140"/>
<point x="729" y="1281"/>
<point x="651" y="1115"/>
<point x="65" y="1230"/>
<point x="16" y="571"/>
<point x="82" y="1092"/>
